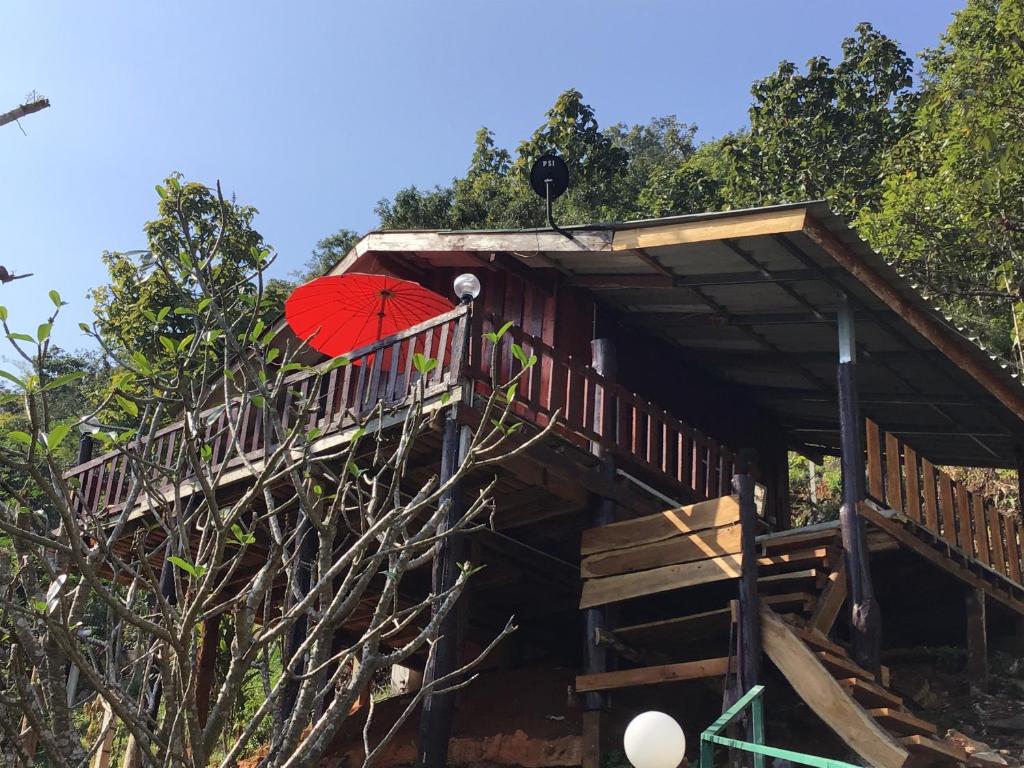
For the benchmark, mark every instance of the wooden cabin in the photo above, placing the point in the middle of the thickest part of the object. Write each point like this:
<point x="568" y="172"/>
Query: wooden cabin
<point x="687" y="358"/>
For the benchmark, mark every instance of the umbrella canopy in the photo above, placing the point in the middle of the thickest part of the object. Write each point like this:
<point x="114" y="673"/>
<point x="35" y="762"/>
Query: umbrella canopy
<point x="340" y="313"/>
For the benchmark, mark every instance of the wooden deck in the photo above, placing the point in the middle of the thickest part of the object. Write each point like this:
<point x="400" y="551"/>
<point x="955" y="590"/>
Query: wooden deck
<point x="647" y="442"/>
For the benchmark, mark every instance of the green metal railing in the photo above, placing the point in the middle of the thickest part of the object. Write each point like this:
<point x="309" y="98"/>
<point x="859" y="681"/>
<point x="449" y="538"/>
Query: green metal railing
<point x="758" y="748"/>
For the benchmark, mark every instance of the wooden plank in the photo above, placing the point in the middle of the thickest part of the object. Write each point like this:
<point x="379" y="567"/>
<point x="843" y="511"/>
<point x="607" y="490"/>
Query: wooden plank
<point x="980" y="528"/>
<point x="831" y="601"/>
<point x="1012" y="548"/>
<point x="660" y="526"/>
<point x="817" y="556"/>
<point x="870" y="694"/>
<point x="697" y="625"/>
<point x="789" y="601"/>
<point x="612" y="589"/>
<point x="946" y="506"/>
<point x="662" y="673"/>
<point x="813" y="683"/>
<point x="913" y="484"/>
<point x="715" y="228"/>
<point x="902" y="723"/>
<point x="931" y="505"/>
<point x="874" y="446"/>
<point x="713" y="542"/>
<point x="963" y="518"/>
<point x="893" y="476"/>
<point x="843" y="666"/>
<point x="934" y="748"/>
<point x="809" y="574"/>
<point x="818" y="641"/>
<point x="772" y="543"/>
<point x="995" y="532"/>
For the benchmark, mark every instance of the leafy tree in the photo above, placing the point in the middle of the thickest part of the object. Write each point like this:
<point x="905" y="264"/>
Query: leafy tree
<point x="824" y="133"/>
<point x="952" y="213"/>
<point x="316" y="533"/>
<point x="623" y="172"/>
<point x="327" y="253"/>
<point x="129" y="309"/>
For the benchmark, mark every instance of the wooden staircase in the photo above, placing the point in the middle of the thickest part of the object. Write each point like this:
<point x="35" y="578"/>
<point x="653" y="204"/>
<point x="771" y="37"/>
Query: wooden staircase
<point x="802" y="588"/>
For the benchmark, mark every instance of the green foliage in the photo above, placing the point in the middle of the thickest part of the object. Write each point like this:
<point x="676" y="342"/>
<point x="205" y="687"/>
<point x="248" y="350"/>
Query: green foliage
<point x="825" y="132"/>
<point x="623" y="172"/>
<point x="143" y="302"/>
<point x="952" y="215"/>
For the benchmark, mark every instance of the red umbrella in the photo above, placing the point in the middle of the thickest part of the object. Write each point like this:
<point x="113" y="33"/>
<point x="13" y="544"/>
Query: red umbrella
<point x="340" y="313"/>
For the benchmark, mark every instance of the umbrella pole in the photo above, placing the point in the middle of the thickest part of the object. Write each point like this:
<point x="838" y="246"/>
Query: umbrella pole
<point x="380" y="316"/>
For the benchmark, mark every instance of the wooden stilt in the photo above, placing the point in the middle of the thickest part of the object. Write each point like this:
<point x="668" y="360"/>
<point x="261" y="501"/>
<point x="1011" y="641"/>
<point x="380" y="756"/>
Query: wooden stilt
<point x="438" y="710"/>
<point x="206" y="663"/>
<point x="750" y="610"/>
<point x="977" y="642"/>
<point x="865" y="619"/>
<point x="597" y="620"/>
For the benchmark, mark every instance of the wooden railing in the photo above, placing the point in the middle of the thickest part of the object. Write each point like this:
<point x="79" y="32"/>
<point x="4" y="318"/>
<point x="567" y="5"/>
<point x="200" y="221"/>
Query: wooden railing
<point x="903" y="480"/>
<point x="625" y="424"/>
<point x="383" y="371"/>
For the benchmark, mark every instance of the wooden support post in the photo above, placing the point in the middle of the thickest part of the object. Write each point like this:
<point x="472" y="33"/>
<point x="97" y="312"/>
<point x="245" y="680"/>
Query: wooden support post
<point x="865" y="618"/>
<point x="749" y="644"/>
<point x="438" y="711"/>
<point x="977" y="642"/>
<point x="596" y="620"/>
<point x="206" y="665"/>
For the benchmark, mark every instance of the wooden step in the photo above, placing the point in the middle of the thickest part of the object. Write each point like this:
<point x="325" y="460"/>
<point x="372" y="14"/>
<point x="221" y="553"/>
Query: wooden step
<point x="812" y="577"/>
<point x="790" y="601"/>
<point x="870" y="694"/>
<point x="817" y="557"/>
<point x="776" y="543"/>
<point x="934" y="749"/>
<point x="819" y="642"/>
<point x="695" y="626"/>
<point x="843" y="666"/>
<point x="901" y="722"/>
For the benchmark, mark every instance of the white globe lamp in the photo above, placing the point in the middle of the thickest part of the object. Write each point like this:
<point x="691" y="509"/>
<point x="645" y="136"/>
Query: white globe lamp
<point x="654" y="740"/>
<point x="467" y="287"/>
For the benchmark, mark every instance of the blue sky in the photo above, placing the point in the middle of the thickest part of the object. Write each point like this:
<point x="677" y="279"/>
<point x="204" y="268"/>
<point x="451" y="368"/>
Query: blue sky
<point x="313" y="111"/>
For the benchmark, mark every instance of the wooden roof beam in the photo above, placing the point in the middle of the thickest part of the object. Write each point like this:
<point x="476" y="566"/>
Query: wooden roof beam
<point x="950" y="343"/>
<point x="611" y="281"/>
<point x="713" y="228"/>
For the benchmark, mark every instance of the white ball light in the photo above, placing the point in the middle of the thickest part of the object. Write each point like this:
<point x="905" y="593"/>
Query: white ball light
<point x="467" y="287"/>
<point x="654" y="740"/>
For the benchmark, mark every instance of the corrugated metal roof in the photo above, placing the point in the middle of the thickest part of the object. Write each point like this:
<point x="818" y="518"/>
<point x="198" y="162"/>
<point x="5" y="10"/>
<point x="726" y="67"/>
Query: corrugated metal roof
<point x="751" y="295"/>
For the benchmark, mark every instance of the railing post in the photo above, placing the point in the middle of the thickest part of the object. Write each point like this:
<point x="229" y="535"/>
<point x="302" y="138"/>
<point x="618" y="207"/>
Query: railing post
<point x="865" y="621"/>
<point x="602" y="512"/>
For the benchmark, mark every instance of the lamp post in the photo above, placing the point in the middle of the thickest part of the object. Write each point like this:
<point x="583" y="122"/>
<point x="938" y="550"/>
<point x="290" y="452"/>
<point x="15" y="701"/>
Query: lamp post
<point x="654" y="740"/>
<point x="467" y="287"/>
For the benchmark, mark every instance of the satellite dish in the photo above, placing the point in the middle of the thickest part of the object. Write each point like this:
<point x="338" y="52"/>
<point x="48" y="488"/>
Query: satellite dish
<point x="549" y="176"/>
